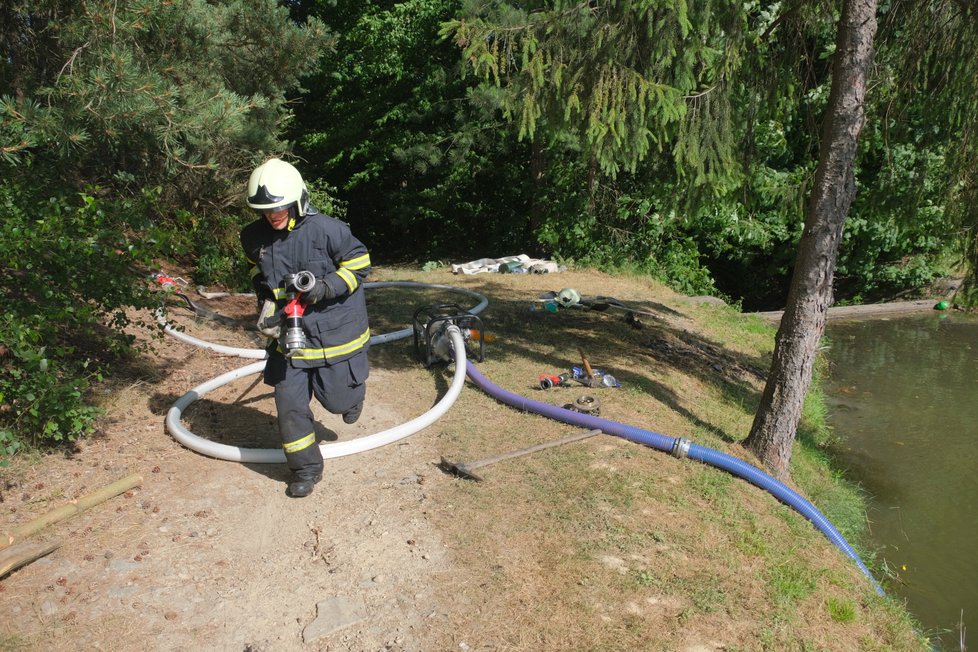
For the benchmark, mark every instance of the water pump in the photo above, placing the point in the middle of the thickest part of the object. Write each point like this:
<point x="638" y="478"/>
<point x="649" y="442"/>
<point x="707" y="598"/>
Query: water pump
<point x="431" y="343"/>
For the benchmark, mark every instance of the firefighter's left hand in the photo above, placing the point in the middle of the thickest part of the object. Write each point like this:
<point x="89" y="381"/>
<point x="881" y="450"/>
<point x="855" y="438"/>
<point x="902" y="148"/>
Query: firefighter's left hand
<point x="270" y="319"/>
<point x="321" y="290"/>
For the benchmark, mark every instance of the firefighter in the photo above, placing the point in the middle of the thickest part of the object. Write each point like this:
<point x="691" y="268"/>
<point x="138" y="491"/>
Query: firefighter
<point x="330" y="362"/>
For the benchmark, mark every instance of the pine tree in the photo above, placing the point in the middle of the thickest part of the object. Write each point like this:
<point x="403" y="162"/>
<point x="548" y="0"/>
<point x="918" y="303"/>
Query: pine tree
<point x="132" y="93"/>
<point x="631" y="79"/>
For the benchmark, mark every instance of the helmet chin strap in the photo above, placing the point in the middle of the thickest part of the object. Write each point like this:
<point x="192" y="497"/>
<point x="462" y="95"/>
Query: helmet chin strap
<point x="295" y="214"/>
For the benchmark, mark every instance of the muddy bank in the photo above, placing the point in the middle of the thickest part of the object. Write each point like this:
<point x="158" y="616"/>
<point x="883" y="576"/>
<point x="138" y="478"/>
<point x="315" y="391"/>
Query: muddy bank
<point x="867" y="311"/>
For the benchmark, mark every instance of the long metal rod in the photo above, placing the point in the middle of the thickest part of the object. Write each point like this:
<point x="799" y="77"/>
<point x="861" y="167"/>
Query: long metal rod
<point x="533" y="449"/>
<point x="468" y="470"/>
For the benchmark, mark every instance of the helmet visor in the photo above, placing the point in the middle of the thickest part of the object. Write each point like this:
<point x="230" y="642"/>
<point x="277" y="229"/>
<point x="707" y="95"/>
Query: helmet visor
<point x="263" y="200"/>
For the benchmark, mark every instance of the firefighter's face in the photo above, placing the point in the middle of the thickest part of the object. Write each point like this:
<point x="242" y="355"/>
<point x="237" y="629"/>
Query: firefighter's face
<point x="278" y="219"/>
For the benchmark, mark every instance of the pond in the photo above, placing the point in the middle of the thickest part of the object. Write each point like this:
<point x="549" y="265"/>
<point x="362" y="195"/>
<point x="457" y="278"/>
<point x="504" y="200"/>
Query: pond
<point x="903" y="402"/>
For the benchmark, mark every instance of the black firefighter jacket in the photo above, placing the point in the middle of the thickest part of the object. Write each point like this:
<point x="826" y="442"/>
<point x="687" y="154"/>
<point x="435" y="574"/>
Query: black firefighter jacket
<point x="337" y="328"/>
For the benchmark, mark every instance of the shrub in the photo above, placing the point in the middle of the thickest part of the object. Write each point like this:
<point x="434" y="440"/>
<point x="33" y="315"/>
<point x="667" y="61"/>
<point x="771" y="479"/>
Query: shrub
<point x="71" y="266"/>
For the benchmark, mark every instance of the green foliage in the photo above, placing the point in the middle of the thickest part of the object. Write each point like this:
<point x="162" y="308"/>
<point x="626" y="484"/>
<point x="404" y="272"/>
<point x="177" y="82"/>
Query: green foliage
<point x="928" y="99"/>
<point x="69" y="269"/>
<point x="116" y="93"/>
<point x="45" y="399"/>
<point x="208" y="244"/>
<point x="675" y="140"/>
<point x="899" y="229"/>
<point x="126" y="131"/>
<point x="627" y="78"/>
<point x="624" y="224"/>
<point x="410" y="147"/>
<point x="744" y="95"/>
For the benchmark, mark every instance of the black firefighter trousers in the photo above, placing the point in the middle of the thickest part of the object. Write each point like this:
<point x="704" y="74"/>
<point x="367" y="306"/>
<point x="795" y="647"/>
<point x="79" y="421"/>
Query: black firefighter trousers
<point x="338" y="387"/>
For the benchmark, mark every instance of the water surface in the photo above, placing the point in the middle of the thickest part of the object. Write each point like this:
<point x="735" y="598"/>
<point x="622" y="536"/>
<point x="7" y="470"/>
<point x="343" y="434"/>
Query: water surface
<point x="903" y="401"/>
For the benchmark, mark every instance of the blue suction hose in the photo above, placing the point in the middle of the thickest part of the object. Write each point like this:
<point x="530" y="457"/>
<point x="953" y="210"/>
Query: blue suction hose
<point x="680" y="448"/>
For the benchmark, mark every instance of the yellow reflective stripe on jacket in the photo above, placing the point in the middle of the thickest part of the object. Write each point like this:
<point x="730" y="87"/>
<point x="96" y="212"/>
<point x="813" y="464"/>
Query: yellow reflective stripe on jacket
<point x="300" y="444"/>
<point x="280" y="293"/>
<point x="348" y="278"/>
<point x="333" y="351"/>
<point x="356" y="263"/>
<point x="254" y="271"/>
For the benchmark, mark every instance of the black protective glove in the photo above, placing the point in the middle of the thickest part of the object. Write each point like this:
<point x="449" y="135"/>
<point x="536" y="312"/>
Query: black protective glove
<point x="321" y="290"/>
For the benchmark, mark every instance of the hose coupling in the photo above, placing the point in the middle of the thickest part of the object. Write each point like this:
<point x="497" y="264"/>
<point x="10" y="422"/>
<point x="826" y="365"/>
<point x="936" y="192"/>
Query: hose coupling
<point x="585" y="405"/>
<point x="304" y="281"/>
<point x="680" y="448"/>
<point x="441" y="341"/>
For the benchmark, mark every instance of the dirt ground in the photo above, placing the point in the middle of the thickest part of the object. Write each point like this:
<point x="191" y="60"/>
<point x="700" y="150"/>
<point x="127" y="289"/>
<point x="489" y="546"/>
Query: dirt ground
<point x="213" y="554"/>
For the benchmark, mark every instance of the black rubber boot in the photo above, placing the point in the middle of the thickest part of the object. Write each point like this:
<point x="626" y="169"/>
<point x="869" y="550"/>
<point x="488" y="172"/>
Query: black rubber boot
<point x="301" y="487"/>
<point x="351" y="415"/>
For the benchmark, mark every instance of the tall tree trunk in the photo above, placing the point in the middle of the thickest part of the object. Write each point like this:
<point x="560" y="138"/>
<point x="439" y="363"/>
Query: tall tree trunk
<point x="810" y="295"/>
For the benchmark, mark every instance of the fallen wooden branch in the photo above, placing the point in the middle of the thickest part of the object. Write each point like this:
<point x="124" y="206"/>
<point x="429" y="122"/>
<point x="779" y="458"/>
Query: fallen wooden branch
<point x="24" y="553"/>
<point x="73" y="507"/>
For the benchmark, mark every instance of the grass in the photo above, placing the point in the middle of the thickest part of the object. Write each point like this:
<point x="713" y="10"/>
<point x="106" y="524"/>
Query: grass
<point x="841" y="610"/>
<point x="607" y="545"/>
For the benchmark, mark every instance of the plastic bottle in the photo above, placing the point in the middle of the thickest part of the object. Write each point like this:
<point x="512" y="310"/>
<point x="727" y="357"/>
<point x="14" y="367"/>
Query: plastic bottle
<point x="609" y="381"/>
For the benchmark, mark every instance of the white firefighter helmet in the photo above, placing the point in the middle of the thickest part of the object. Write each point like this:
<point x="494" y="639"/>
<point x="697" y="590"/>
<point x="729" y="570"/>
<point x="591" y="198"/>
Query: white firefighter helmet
<point x="276" y="184"/>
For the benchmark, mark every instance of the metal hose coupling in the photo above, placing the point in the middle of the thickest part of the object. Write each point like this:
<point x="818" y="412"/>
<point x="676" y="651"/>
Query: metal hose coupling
<point x="442" y="342"/>
<point x="304" y="281"/>
<point x="680" y="448"/>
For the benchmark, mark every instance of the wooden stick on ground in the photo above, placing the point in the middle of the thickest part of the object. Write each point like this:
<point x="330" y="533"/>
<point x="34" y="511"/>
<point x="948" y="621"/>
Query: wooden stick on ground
<point x="73" y="507"/>
<point x="24" y="553"/>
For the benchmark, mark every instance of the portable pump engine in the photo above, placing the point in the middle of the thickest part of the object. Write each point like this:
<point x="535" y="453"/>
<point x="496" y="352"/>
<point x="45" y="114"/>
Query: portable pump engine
<point x="430" y="323"/>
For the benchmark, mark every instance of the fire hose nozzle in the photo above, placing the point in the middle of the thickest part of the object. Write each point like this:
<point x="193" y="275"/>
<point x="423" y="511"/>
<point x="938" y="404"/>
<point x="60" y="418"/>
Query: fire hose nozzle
<point x="293" y="337"/>
<point x="304" y="281"/>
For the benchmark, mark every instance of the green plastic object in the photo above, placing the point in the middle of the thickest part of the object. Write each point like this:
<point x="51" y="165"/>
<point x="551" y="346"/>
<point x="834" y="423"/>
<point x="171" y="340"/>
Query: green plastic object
<point x="942" y="305"/>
